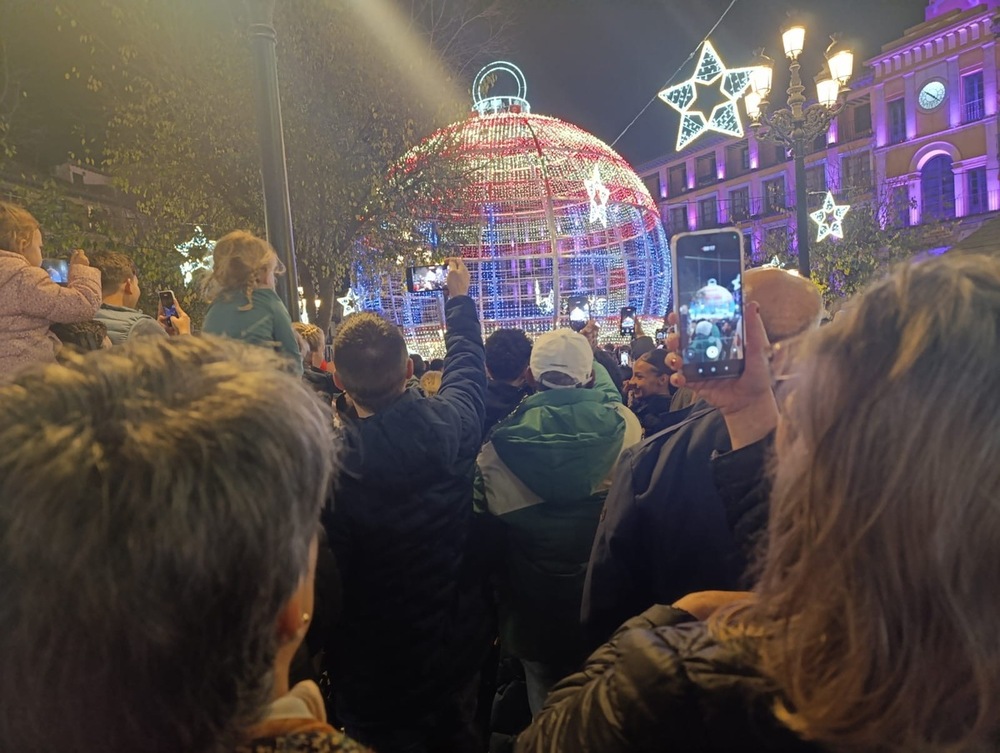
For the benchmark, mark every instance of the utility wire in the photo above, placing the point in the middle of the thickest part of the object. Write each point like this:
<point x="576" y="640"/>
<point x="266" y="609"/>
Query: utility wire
<point x="670" y="80"/>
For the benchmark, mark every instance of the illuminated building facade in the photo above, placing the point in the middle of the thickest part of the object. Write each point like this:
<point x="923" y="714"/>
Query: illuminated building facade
<point x="918" y="135"/>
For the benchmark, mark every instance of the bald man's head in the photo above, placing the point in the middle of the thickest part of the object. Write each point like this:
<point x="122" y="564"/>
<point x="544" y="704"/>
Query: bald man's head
<point x="789" y="304"/>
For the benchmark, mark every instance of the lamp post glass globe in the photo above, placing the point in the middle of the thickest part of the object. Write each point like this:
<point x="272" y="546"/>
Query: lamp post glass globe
<point x="793" y="39"/>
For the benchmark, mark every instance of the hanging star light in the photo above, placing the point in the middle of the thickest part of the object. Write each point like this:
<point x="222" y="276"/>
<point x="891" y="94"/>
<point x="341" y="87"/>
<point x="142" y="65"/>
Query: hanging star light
<point x="195" y="261"/>
<point x="351" y="303"/>
<point x="724" y="118"/>
<point x="599" y="195"/>
<point x="830" y="218"/>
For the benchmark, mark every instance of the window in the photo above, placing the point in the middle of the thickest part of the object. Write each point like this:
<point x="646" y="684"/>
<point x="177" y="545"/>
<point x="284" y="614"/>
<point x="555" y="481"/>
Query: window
<point x="737" y="159"/>
<point x="899" y="206"/>
<point x="897" y="121"/>
<point x="862" y="119"/>
<point x="708" y="213"/>
<point x="739" y="205"/>
<point x="652" y="183"/>
<point x="748" y="248"/>
<point x="972" y="96"/>
<point x="780" y="153"/>
<point x="815" y="185"/>
<point x="774" y="196"/>
<point x="856" y="171"/>
<point x="677" y="179"/>
<point x="937" y="188"/>
<point x="705" y="174"/>
<point x="745" y="157"/>
<point x="978" y="201"/>
<point x="678" y="220"/>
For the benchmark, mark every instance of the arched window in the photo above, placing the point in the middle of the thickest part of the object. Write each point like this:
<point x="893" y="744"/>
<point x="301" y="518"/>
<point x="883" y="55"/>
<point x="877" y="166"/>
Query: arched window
<point x="937" y="188"/>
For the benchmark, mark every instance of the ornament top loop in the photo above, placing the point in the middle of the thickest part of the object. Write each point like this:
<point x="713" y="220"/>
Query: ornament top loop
<point x="491" y="105"/>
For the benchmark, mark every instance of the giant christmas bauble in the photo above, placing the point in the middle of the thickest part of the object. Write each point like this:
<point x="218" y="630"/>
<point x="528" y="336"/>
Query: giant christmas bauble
<point x="546" y="216"/>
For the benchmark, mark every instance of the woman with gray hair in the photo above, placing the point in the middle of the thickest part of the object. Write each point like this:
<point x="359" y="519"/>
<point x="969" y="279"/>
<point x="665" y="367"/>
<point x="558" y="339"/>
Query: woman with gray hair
<point x="158" y="517"/>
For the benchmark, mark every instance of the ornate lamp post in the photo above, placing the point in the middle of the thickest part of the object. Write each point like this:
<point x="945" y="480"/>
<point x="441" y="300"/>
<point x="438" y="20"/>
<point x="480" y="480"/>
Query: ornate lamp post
<point x="277" y="207"/>
<point x="796" y="127"/>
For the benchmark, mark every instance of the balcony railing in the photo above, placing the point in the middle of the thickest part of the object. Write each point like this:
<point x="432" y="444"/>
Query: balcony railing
<point x="973" y="111"/>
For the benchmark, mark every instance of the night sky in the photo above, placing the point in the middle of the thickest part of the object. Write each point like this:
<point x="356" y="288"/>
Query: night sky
<point x="596" y="63"/>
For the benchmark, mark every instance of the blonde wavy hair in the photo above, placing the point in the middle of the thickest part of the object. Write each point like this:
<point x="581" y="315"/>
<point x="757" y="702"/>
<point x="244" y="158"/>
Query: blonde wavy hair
<point x="875" y="611"/>
<point x="240" y="262"/>
<point x="17" y="226"/>
<point x="311" y="335"/>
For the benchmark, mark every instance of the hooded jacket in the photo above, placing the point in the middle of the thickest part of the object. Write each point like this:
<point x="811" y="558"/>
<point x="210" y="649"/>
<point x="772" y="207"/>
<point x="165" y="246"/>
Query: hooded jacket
<point x="30" y="302"/>
<point x="413" y="628"/>
<point x="544" y="475"/>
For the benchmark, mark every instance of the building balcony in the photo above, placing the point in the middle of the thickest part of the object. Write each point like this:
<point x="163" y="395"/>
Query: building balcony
<point x="973" y="111"/>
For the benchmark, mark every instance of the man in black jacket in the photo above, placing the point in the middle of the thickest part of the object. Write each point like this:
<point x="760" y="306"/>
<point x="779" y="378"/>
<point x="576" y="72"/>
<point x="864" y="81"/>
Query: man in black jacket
<point x="405" y="656"/>
<point x="664" y="531"/>
<point x="507" y="354"/>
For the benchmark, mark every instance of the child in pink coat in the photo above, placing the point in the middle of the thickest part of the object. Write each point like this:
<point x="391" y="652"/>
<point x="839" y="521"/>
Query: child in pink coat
<point x="29" y="300"/>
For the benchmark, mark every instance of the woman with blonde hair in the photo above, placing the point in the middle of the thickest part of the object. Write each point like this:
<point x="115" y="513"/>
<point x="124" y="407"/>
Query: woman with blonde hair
<point x="244" y="303"/>
<point x="873" y="626"/>
<point x="29" y="299"/>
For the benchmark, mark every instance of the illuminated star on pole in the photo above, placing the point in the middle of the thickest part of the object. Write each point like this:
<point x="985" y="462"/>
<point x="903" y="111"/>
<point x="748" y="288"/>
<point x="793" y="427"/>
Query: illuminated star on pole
<point x="830" y="218"/>
<point x="724" y="118"/>
<point x="599" y="195"/>
<point x="350" y="302"/>
<point x="195" y="261"/>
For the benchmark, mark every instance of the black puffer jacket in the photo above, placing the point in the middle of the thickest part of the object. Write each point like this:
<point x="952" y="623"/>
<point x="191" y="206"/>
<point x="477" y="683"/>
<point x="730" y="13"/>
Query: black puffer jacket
<point x="413" y="628"/>
<point x="663" y="684"/>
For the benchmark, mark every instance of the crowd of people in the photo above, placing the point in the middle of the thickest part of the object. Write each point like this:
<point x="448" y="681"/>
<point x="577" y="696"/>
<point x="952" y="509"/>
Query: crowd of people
<point x="224" y="542"/>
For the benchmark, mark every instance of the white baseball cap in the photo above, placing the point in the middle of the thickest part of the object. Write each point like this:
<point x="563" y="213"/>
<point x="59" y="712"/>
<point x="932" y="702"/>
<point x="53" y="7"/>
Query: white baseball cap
<point x="565" y="352"/>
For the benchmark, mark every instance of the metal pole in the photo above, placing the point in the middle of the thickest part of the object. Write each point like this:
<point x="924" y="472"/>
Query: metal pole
<point x="801" y="210"/>
<point x="277" y="207"/>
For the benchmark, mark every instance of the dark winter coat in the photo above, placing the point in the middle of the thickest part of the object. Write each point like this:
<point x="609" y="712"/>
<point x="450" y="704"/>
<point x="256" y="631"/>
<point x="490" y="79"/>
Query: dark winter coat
<point x="663" y="532"/>
<point x="663" y="683"/>
<point x="501" y="400"/>
<point x="413" y="628"/>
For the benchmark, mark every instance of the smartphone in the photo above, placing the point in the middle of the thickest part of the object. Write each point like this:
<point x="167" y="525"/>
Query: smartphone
<point x="661" y="336"/>
<point x="167" y="303"/>
<point x="578" y="307"/>
<point x="625" y="357"/>
<point x="58" y="270"/>
<point x="708" y="282"/>
<point x="427" y="278"/>
<point x="626" y="321"/>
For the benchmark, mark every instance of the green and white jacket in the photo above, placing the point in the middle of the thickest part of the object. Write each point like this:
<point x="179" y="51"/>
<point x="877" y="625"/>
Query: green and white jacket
<point x="544" y="475"/>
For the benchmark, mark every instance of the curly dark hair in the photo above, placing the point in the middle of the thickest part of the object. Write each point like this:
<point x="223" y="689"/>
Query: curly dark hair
<point x="507" y="354"/>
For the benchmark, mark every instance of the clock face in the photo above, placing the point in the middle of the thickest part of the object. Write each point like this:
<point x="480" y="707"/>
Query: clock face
<point x="932" y="95"/>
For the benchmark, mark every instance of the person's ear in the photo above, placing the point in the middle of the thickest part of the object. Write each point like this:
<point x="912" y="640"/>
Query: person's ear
<point x="337" y="380"/>
<point x="409" y="368"/>
<point x="292" y="620"/>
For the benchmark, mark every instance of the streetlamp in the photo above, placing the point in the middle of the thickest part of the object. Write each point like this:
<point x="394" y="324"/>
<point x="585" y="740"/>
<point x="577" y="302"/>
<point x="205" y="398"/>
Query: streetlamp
<point x="796" y="127"/>
<point x="274" y="174"/>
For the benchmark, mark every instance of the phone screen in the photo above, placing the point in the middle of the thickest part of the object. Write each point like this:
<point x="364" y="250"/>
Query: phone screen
<point x="167" y="303"/>
<point x="626" y="324"/>
<point x="661" y="335"/>
<point x="426" y="279"/>
<point x="708" y="280"/>
<point x="578" y="308"/>
<point x="58" y="270"/>
<point x="625" y="358"/>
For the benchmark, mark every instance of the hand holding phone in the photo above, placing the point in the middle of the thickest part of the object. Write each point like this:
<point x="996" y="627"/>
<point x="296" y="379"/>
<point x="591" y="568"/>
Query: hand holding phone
<point x="579" y="312"/>
<point x="626" y="322"/>
<point x="426" y="279"/>
<point x="708" y="284"/>
<point x="168" y="304"/>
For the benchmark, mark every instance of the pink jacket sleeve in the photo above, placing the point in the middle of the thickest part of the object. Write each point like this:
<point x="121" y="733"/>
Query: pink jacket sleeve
<point x="38" y="296"/>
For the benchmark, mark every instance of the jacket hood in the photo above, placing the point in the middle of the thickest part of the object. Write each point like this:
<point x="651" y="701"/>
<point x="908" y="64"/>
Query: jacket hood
<point x="411" y="443"/>
<point x="561" y="443"/>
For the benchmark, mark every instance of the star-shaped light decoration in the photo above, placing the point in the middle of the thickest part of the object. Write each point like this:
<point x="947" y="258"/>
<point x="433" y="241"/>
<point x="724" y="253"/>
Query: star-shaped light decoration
<point x="830" y="218"/>
<point x="194" y="260"/>
<point x="599" y="195"/>
<point x="724" y="118"/>
<point x="350" y="302"/>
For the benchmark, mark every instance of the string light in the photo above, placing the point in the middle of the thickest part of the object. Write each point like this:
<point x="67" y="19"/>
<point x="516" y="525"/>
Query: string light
<point x="830" y="218"/>
<point x="523" y="219"/>
<point x="725" y="117"/>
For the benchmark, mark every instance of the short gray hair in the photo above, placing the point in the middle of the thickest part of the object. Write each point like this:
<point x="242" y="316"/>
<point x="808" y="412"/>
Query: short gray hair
<point x="157" y="504"/>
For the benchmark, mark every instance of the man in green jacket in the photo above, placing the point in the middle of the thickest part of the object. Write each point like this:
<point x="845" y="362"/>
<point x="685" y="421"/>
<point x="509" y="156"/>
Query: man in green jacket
<point x="544" y="475"/>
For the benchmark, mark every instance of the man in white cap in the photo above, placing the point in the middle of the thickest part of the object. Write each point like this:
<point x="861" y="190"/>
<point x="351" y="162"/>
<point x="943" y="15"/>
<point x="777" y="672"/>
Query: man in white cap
<point x="544" y="475"/>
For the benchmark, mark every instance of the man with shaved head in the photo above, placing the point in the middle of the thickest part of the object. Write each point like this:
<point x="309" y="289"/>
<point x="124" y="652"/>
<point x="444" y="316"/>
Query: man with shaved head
<point x="664" y="530"/>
